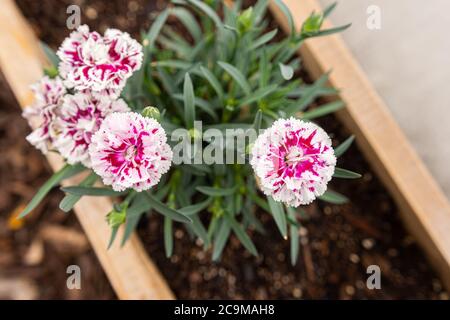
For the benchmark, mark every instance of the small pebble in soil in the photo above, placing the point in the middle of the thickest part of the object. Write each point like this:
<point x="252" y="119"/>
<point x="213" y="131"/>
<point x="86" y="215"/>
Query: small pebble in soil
<point x="179" y="234"/>
<point x="350" y="290"/>
<point x="368" y="243"/>
<point x="297" y="293"/>
<point x="354" y="258"/>
<point x="91" y="13"/>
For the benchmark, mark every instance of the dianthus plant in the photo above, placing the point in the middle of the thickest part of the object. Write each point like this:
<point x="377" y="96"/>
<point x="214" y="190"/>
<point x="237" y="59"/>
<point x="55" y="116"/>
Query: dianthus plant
<point x="204" y="122"/>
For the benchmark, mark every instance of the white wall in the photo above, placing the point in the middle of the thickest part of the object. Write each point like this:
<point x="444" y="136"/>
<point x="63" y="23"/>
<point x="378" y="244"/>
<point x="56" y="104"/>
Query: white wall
<point x="408" y="61"/>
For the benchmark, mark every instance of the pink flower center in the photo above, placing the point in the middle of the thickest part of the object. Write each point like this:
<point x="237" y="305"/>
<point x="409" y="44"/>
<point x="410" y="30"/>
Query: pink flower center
<point x="295" y="155"/>
<point x="130" y="154"/>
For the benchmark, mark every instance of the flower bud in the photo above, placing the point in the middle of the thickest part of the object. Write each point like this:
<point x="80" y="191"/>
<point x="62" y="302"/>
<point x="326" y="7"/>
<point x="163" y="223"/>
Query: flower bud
<point x="313" y="23"/>
<point x="245" y="20"/>
<point x="151" y="112"/>
<point x="51" y="72"/>
<point x="117" y="216"/>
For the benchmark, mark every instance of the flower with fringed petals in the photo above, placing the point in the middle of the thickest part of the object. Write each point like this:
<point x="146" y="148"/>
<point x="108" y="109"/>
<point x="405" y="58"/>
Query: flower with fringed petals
<point x="293" y="161"/>
<point x="95" y="62"/>
<point x="130" y="151"/>
<point x="48" y="95"/>
<point x="80" y="117"/>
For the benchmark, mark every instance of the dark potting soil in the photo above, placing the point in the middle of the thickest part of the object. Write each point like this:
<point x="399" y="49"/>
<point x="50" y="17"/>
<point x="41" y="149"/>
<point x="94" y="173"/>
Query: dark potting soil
<point x="338" y="243"/>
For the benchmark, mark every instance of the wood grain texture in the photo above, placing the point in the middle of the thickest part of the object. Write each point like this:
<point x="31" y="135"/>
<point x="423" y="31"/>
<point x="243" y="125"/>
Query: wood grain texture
<point x="423" y="206"/>
<point x="131" y="272"/>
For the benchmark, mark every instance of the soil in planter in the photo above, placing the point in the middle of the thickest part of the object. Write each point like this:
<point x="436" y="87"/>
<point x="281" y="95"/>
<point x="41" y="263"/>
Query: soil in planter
<point x="36" y="251"/>
<point x="338" y="243"/>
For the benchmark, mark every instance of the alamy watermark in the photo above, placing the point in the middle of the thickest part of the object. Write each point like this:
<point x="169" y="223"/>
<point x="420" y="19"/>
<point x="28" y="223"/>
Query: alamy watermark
<point x="373" y="21"/>
<point x="73" y="21"/>
<point x="73" y="281"/>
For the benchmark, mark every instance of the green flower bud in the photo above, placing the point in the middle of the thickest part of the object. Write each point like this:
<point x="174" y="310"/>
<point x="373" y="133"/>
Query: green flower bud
<point x="117" y="216"/>
<point x="151" y="112"/>
<point x="51" y="72"/>
<point x="245" y="20"/>
<point x="313" y="23"/>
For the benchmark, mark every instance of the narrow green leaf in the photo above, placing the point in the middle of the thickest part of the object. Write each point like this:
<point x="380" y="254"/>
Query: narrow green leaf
<point x="189" y="101"/>
<point x="345" y="174"/>
<point x="258" y="95"/>
<point x="213" y="81"/>
<point x="165" y="210"/>
<point x="198" y="228"/>
<point x="259" y="10"/>
<point x="294" y="236"/>
<point x="279" y="216"/>
<point x="323" y="110"/>
<point x="92" y="191"/>
<point x="260" y="202"/>
<point x="324" y="91"/>
<point x="208" y="11"/>
<point x="70" y="200"/>
<point x="188" y="20"/>
<point x="50" y="54"/>
<point x="329" y="9"/>
<point x="263" y="39"/>
<point x="288" y="15"/>
<point x="221" y="239"/>
<point x="287" y="72"/>
<point x="176" y="64"/>
<point x="66" y="172"/>
<point x="195" y="208"/>
<point x="333" y="197"/>
<point x="331" y="31"/>
<point x="264" y="69"/>
<point x="112" y="237"/>
<point x="138" y="207"/>
<point x="201" y="104"/>
<point x="343" y="147"/>
<point x="216" y="192"/>
<point x="241" y="234"/>
<point x="156" y="27"/>
<point x="257" y="121"/>
<point x="168" y="236"/>
<point x="237" y="76"/>
<point x="309" y="95"/>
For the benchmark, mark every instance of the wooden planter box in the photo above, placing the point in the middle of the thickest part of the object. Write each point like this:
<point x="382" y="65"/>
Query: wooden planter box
<point x="424" y="208"/>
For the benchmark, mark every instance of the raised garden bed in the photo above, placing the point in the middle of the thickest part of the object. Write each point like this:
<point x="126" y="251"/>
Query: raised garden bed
<point x="36" y="252"/>
<point x="338" y="242"/>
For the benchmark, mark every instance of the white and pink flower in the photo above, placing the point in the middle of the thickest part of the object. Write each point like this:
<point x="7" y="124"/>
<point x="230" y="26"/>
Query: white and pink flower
<point x="130" y="151"/>
<point x="294" y="161"/>
<point x="80" y="116"/>
<point x="90" y="61"/>
<point x="48" y="94"/>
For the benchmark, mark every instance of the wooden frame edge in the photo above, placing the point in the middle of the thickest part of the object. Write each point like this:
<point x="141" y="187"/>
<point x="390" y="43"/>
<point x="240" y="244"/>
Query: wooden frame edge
<point x="423" y="206"/>
<point x="130" y="270"/>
